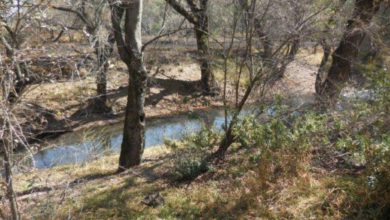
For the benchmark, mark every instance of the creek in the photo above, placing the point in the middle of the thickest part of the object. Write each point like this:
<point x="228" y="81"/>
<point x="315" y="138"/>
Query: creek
<point x="89" y="144"/>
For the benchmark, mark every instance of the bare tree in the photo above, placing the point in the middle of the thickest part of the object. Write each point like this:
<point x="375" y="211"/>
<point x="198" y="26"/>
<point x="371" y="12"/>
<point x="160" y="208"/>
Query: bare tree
<point x="91" y="13"/>
<point x="279" y="49"/>
<point x="15" y="18"/>
<point x="10" y="131"/>
<point x="129" y="48"/>
<point x="198" y="16"/>
<point x="8" y="143"/>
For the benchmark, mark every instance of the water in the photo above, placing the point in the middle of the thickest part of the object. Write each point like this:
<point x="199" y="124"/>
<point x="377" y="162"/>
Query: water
<point x="86" y="145"/>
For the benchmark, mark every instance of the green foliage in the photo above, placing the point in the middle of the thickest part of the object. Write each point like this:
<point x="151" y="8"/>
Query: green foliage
<point x="280" y="149"/>
<point x="279" y="132"/>
<point x="189" y="168"/>
<point x="191" y="153"/>
<point x="205" y="139"/>
<point x="364" y="137"/>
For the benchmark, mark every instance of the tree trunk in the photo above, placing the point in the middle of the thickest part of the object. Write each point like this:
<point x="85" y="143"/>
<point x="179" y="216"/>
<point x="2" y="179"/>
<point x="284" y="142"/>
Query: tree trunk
<point x="103" y="53"/>
<point x="134" y="129"/>
<point x="199" y="18"/>
<point x="322" y="69"/>
<point x="202" y="40"/>
<point x="129" y="49"/>
<point x="21" y="80"/>
<point x="229" y="135"/>
<point x="101" y="79"/>
<point x="265" y="40"/>
<point x="344" y="56"/>
<point x="9" y="181"/>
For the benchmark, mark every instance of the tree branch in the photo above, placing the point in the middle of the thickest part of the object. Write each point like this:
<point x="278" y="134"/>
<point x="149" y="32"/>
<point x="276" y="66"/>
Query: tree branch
<point x="79" y="14"/>
<point x="181" y="10"/>
<point x="117" y="13"/>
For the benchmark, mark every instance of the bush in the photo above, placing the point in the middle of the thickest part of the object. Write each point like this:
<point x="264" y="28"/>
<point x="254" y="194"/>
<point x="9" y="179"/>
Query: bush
<point x="191" y="153"/>
<point x="187" y="169"/>
<point x="365" y="139"/>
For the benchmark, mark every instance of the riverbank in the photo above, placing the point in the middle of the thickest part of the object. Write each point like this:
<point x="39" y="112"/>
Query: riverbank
<point x="50" y="109"/>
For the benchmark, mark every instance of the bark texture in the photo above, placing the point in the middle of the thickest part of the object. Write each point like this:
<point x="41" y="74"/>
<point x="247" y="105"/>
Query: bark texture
<point x="129" y="48"/>
<point x="322" y="69"/>
<point x="329" y="87"/>
<point x="207" y="77"/>
<point x="103" y="53"/>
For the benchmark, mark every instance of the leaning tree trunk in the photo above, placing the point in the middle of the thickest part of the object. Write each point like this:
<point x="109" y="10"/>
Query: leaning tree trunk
<point x="326" y="47"/>
<point x="129" y="49"/>
<point x="264" y="39"/>
<point x="290" y="56"/>
<point x="322" y="69"/>
<point x="328" y="89"/>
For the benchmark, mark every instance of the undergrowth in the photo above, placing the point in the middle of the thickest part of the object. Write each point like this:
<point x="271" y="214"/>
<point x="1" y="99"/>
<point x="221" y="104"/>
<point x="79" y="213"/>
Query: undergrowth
<point x="338" y="159"/>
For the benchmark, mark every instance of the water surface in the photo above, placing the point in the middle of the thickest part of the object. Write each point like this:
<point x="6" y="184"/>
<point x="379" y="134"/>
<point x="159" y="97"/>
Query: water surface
<point x="86" y="145"/>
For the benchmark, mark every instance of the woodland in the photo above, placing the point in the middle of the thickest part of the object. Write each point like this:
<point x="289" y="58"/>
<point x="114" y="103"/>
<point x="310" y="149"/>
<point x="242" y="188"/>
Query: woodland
<point x="195" y="109"/>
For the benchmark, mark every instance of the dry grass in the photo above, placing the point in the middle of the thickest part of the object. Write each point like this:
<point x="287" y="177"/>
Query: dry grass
<point x="235" y="189"/>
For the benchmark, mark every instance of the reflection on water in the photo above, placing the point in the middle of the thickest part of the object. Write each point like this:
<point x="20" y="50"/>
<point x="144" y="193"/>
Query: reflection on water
<point x="82" y="146"/>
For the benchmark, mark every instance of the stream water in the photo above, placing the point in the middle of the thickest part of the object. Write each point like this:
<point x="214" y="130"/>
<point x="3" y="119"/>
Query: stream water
<point x="86" y="145"/>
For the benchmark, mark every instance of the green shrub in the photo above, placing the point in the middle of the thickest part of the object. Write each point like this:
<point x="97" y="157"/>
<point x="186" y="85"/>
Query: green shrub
<point x="191" y="153"/>
<point x="364" y="139"/>
<point x="189" y="168"/>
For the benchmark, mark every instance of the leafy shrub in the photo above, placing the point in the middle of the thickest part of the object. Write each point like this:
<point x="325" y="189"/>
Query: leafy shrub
<point x="283" y="144"/>
<point x="365" y="140"/>
<point x="191" y="152"/>
<point x="189" y="168"/>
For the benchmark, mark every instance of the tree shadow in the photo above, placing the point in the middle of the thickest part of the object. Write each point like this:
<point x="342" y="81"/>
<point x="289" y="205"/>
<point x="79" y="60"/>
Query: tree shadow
<point x="87" y="112"/>
<point x="167" y="87"/>
<point x="148" y="173"/>
<point x="123" y="202"/>
<point x="91" y="177"/>
<point x="125" y="199"/>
